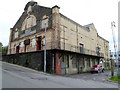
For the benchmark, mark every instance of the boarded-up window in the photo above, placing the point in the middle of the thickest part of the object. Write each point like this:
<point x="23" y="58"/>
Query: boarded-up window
<point x="74" y="62"/>
<point x="67" y="61"/>
<point x="16" y="34"/>
<point x="81" y="48"/>
<point x="22" y="44"/>
<point x="27" y="41"/>
<point x="33" y="42"/>
<point x="81" y="62"/>
<point x="44" y="23"/>
<point x="62" y="32"/>
<point x="88" y="62"/>
<point x="93" y="61"/>
<point x="27" y="48"/>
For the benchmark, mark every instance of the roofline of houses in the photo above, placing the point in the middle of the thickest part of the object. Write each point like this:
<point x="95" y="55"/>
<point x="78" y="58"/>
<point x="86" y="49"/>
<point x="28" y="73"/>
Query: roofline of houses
<point x="74" y="22"/>
<point x="103" y="38"/>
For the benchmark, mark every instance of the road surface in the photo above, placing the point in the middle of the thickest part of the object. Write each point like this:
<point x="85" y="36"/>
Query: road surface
<point x="14" y="76"/>
<point x="101" y="77"/>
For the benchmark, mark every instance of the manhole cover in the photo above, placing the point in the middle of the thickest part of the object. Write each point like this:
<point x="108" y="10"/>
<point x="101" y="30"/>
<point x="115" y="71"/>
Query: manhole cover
<point x="7" y="69"/>
<point x="20" y="70"/>
<point x="39" y="78"/>
<point x="94" y="78"/>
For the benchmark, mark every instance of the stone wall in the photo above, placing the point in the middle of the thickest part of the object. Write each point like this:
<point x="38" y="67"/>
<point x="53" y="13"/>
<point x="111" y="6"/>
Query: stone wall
<point x="34" y="60"/>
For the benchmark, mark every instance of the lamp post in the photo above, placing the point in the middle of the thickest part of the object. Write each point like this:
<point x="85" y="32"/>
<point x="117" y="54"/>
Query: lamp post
<point x="45" y="50"/>
<point x="112" y="68"/>
<point x="45" y="26"/>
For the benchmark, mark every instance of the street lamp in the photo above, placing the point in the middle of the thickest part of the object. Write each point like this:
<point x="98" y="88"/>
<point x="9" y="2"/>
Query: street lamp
<point x="112" y="27"/>
<point x="45" y="21"/>
<point x="112" y="63"/>
<point x="45" y="51"/>
<point x="112" y="67"/>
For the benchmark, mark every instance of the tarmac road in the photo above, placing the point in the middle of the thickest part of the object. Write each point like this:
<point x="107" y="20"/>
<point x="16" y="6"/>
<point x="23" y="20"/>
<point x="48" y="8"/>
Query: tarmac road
<point x="14" y="76"/>
<point x="100" y="77"/>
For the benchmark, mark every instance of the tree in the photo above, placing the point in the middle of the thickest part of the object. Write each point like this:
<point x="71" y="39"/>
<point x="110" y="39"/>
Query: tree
<point x="1" y="44"/>
<point x="4" y="50"/>
<point x="1" y="47"/>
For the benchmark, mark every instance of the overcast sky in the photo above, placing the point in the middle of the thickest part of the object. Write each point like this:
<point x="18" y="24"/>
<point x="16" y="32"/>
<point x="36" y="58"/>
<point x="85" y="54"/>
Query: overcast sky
<point x="99" y="12"/>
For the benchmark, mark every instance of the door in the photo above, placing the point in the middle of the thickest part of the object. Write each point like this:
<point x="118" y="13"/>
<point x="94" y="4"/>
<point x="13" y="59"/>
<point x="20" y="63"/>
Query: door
<point x="38" y="45"/>
<point x="39" y="39"/>
<point x="17" y="49"/>
<point x="63" y="68"/>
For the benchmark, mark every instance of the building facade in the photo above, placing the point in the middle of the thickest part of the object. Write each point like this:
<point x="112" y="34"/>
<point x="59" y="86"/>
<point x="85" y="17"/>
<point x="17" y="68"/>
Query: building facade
<point x="75" y="48"/>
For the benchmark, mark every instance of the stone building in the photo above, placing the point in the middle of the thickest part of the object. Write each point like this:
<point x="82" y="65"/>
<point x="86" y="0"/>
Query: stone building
<point x="75" y="48"/>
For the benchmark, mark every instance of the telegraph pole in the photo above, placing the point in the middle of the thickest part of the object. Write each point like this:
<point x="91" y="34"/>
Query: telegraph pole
<point x="112" y="62"/>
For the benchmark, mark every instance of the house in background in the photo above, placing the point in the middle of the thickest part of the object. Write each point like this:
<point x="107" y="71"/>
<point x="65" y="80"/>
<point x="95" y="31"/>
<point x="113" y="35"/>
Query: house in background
<point x="73" y="48"/>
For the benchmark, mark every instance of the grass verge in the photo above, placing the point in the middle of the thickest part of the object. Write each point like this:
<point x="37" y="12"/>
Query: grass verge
<point x="116" y="78"/>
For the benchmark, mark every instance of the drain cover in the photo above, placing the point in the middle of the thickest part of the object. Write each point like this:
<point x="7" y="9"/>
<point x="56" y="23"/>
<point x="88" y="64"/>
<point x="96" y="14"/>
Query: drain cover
<point x="39" y="78"/>
<point x="7" y="69"/>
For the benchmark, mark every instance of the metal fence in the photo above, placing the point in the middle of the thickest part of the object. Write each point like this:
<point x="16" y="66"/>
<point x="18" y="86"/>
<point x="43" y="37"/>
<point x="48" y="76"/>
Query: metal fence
<point x="74" y="48"/>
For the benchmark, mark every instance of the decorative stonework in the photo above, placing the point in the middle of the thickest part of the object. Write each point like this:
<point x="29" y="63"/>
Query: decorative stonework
<point x="29" y="10"/>
<point x="29" y="22"/>
<point x="44" y="22"/>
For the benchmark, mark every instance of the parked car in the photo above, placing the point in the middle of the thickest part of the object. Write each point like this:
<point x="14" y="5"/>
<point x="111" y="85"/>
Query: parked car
<point x="97" y="68"/>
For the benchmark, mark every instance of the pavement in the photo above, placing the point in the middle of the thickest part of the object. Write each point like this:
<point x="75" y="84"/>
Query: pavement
<point x="100" y="77"/>
<point x="15" y="76"/>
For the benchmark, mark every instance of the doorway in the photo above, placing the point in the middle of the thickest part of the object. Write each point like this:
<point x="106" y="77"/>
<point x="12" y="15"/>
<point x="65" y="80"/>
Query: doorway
<point x="38" y="45"/>
<point x="17" y="49"/>
<point x="39" y="39"/>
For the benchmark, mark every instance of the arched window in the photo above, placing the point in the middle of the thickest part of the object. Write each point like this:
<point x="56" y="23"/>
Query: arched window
<point x="29" y="22"/>
<point x="16" y="33"/>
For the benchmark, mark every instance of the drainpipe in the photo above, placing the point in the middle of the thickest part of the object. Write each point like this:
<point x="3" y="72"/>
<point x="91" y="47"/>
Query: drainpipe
<point x="78" y="66"/>
<point x="53" y="63"/>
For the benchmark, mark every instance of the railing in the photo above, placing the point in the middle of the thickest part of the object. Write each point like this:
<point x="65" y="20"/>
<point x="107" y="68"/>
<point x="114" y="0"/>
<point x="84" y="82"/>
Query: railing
<point x="62" y="46"/>
<point x="74" y="48"/>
